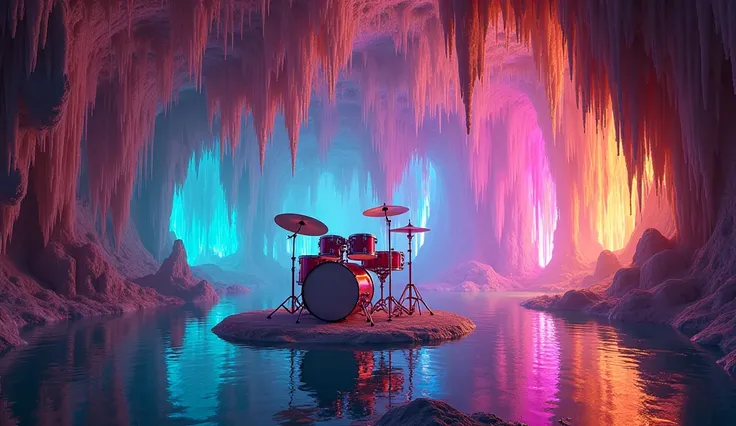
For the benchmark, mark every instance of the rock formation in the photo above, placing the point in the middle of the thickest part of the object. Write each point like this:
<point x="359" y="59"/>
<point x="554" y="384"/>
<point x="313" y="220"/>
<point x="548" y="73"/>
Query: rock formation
<point x="552" y="141"/>
<point x="660" y="287"/>
<point x="73" y="276"/>
<point x="175" y="279"/>
<point x="474" y="276"/>
<point x="422" y="412"/>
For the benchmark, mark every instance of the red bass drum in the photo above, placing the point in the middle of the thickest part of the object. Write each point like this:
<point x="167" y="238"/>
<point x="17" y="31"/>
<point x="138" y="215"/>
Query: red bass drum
<point x="333" y="291"/>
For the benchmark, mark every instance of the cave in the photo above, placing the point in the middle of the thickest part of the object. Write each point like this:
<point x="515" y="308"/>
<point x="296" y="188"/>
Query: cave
<point x="572" y="161"/>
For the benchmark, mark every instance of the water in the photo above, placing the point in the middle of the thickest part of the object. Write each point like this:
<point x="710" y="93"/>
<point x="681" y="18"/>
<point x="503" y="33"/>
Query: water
<point x="165" y="367"/>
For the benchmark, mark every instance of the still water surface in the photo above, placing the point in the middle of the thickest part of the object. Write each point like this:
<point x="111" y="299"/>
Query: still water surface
<point x="165" y="367"/>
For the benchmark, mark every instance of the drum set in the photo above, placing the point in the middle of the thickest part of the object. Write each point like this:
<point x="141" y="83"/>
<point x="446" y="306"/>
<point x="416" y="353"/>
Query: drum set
<point x="334" y="285"/>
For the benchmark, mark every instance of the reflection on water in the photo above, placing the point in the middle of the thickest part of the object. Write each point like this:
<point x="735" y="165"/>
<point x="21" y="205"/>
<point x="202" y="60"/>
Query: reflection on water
<point x="165" y="367"/>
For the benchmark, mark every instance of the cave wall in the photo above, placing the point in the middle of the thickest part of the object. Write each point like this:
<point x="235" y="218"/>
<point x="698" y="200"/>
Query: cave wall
<point x="588" y="75"/>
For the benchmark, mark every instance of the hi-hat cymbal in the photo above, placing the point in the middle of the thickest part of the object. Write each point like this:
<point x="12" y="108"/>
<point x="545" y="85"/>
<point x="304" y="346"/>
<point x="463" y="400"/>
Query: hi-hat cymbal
<point x="411" y="229"/>
<point x="302" y="225"/>
<point x="385" y="210"/>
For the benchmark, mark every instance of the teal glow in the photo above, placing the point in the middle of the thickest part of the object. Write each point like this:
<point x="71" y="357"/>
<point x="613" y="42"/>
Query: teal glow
<point x="342" y="211"/>
<point x="200" y="217"/>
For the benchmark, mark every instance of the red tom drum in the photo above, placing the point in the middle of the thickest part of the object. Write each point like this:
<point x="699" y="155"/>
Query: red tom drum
<point x="307" y="263"/>
<point x="380" y="263"/>
<point x="362" y="246"/>
<point x="330" y="246"/>
<point x="333" y="291"/>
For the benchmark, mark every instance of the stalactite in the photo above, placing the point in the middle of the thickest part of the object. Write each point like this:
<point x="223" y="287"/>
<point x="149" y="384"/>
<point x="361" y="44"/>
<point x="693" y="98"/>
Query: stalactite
<point x="613" y="76"/>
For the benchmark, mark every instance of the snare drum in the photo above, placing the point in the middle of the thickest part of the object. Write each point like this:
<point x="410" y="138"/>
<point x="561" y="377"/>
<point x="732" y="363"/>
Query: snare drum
<point x="330" y="246"/>
<point x="380" y="263"/>
<point x="362" y="246"/>
<point x="307" y="263"/>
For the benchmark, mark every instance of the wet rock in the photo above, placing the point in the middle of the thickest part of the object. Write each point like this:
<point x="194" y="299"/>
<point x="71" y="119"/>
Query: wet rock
<point x="636" y="305"/>
<point x="602" y="308"/>
<point x="424" y="412"/>
<point x="721" y="332"/>
<point x="577" y="300"/>
<point x="651" y="242"/>
<point x="625" y="280"/>
<point x="542" y="303"/>
<point x="696" y="317"/>
<point x="666" y="264"/>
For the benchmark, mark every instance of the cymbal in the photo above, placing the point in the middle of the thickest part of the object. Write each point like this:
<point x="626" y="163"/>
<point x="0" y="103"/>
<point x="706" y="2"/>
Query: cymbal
<point x="385" y="210"/>
<point x="302" y="225"/>
<point x="411" y="229"/>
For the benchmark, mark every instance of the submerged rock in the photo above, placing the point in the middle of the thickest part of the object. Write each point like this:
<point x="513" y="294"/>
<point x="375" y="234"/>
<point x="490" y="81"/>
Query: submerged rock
<point x="430" y="412"/>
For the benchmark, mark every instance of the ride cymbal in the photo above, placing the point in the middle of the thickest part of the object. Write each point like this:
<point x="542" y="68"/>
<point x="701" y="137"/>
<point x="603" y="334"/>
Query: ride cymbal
<point x="385" y="210"/>
<point x="301" y="224"/>
<point x="410" y="229"/>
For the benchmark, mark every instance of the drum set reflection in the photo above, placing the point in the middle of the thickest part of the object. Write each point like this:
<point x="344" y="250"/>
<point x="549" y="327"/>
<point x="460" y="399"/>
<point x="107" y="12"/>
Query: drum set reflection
<point x="333" y="287"/>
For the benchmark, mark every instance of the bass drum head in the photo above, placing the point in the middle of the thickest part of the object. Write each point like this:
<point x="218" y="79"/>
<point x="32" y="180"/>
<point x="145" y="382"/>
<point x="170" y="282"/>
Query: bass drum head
<point x="330" y="292"/>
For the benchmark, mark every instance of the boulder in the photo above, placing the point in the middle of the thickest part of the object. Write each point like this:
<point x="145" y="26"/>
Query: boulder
<point x="651" y="242"/>
<point x="665" y="264"/>
<point x="674" y="292"/>
<point x="625" y="280"/>
<point x="606" y="265"/>
<point x="577" y="300"/>
<point x="429" y="412"/>
<point x="635" y="306"/>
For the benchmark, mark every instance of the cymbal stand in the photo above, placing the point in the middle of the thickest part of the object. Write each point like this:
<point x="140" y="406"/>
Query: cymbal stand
<point x="414" y="298"/>
<point x="380" y="305"/>
<point x="392" y="302"/>
<point x="293" y="300"/>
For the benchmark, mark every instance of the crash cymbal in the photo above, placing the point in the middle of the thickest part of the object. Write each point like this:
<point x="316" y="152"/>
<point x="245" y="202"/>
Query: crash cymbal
<point x="411" y="229"/>
<point x="302" y="225"/>
<point x="385" y="210"/>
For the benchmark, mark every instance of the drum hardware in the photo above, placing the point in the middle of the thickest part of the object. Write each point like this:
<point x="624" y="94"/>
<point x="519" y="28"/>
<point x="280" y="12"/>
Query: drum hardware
<point x="365" y="305"/>
<point x="299" y="225"/>
<point x="379" y="266"/>
<point x="331" y="247"/>
<point x="411" y="292"/>
<point x="386" y="212"/>
<point x="333" y="291"/>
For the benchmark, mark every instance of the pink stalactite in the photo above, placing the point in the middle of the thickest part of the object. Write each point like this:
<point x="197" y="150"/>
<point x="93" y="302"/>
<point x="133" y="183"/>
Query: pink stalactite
<point x="632" y="78"/>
